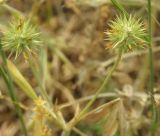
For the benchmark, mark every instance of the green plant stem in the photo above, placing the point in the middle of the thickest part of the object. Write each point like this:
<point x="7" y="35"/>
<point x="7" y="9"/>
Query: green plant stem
<point x="151" y="81"/>
<point x="119" y="7"/>
<point x="65" y="133"/>
<point x="6" y="76"/>
<point x="100" y="89"/>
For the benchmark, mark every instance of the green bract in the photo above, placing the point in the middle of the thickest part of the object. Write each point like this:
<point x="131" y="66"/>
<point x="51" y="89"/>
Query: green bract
<point x="127" y="33"/>
<point x="21" y="37"/>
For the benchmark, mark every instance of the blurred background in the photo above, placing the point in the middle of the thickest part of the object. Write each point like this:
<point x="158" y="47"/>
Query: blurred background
<point x="73" y="62"/>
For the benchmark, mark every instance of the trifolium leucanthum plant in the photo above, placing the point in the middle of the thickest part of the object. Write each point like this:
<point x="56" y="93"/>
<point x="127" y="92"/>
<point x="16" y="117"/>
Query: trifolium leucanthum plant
<point x="126" y="33"/>
<point x="21" y="37"/>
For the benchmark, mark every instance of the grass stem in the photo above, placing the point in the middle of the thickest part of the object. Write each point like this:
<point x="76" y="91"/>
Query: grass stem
<point x="7" y="79"/>
<point x="151" y="80"/>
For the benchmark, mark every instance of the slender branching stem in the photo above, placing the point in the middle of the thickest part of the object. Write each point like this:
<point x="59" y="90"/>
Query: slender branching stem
<point x="101" y="88"/>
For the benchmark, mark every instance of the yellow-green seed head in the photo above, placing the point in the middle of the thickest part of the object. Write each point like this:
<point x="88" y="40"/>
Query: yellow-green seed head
<point x="127" y="33"/>
<point x="21" y="37"/>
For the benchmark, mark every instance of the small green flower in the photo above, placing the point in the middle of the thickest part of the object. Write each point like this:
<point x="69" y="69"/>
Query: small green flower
<point x="127" y="33"/>
<point x="21" y="37"/>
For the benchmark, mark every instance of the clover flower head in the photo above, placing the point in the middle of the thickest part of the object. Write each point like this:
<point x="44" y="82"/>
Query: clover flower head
<point x="127" y="33"/>
<point x="21" y="37"/>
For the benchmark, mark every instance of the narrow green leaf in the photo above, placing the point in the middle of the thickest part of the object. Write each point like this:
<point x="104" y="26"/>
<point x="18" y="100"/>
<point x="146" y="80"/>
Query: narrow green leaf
<point x="11" y="91"/>
<point x="21" y="81"/>
<point x="119" y="7"/>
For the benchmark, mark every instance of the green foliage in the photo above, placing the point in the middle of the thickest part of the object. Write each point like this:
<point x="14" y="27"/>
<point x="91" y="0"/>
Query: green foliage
<point x="127" y="32"/>
<point x="11" y="90"/>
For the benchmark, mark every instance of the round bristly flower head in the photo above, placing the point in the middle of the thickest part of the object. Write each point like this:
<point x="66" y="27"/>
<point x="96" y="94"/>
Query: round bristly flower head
<point x="21" y="37"/>
<point x="127" y="33"/>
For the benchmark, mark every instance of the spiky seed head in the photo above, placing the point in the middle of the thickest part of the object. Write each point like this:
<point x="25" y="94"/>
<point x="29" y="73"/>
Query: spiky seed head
<point x="21" y="37"/>
<point x="127" y="33"/>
